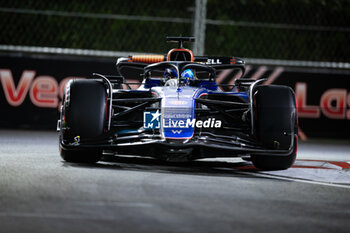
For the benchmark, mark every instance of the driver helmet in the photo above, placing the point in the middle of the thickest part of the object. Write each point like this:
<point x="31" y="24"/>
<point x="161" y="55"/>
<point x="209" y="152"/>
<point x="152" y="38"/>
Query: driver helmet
<point x="170" y="73"/>
<point x="187" y="75"/>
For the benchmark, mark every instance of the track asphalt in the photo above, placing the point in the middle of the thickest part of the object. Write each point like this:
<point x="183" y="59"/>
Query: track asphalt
<point x="41" y="193"/>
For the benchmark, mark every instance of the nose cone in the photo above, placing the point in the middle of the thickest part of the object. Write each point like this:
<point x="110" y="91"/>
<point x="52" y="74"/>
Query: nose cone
<point x="178" y="113"/>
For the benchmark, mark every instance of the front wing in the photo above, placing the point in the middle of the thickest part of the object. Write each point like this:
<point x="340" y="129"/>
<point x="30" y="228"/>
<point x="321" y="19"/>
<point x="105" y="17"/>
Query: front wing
<point x="205" y="145"/>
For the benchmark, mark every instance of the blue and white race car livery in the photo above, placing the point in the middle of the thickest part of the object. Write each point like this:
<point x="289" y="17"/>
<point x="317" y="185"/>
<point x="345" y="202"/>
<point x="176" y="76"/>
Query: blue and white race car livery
<point x="179" y="112"/>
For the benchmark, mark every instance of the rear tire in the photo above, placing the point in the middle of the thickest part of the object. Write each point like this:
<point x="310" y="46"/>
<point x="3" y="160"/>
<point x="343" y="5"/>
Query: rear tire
<point x="275" y="121"/>
<point x="83" y="116"/>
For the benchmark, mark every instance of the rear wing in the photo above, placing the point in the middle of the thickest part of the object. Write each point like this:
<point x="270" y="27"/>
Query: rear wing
<point x="181" y="54"/>
<point x="209" y="60"/>
<point x="219" y="63"/>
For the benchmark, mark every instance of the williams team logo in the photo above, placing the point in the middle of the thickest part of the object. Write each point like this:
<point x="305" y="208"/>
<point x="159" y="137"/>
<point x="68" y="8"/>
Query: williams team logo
<point x="151" y="120"/>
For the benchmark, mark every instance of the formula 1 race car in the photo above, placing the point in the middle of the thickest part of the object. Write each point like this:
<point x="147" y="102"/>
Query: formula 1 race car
<point x="178" y="113"/>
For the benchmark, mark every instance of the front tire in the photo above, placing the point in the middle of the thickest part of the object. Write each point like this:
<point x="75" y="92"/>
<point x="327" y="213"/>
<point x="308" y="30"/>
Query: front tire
<point x="83" y="116"/>
<point x="276" y="124"/>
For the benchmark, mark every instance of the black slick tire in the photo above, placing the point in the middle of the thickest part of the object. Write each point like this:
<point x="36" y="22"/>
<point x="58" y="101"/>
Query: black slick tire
<point x="83" y="118"/>
<point x="276" y="125"/>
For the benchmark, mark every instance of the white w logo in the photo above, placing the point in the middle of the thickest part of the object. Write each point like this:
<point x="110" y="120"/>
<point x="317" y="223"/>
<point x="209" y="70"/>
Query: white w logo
<point x="176" y="131"/>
